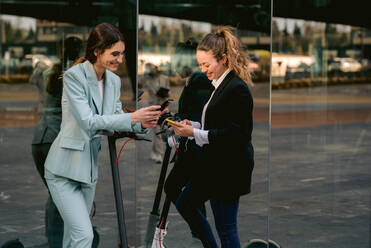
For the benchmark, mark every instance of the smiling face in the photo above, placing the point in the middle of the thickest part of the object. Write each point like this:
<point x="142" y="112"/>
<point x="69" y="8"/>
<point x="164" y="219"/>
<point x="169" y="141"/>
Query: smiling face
<point x="111" y="57"/>
<point x="209" y="65"/>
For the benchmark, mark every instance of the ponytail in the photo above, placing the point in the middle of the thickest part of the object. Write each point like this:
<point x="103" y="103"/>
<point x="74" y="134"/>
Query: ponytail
<point x="225" y="42"/>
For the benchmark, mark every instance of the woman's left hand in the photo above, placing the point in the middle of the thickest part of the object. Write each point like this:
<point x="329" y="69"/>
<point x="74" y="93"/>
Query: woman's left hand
<point x="182" y="129"/>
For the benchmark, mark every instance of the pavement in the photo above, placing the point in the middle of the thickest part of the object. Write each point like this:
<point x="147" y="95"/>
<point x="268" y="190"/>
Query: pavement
<point x="318" y="167"/>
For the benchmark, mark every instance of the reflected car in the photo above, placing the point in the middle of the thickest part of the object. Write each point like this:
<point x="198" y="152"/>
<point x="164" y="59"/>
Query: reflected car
<point x="345" y="65"/>
<point x="49" y="60"/>
<point x="25" y="66"/>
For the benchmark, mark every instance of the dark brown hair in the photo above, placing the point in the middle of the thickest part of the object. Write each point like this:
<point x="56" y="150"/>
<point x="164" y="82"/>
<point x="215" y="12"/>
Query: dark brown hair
<point x="102" y="37"/>
<point x="225" y="42"/>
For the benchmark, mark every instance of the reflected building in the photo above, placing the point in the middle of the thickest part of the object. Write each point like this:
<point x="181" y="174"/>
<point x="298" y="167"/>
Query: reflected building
<point x="320" y="114"/>
<point x="312" y="122"/>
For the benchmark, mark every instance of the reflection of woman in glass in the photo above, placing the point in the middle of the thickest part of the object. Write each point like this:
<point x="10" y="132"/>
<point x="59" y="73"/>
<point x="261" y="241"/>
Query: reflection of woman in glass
<point x="157" y="86"/>
<point x="224" y="172"/>
<point x="90" y="102"/>
<point x="49" y="81"/>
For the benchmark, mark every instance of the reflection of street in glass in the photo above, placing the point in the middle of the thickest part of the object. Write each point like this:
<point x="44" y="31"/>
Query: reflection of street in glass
<point x="18" y="118"/>
<point x="47" y="77"/>
<point x="157" y="87"/>
<point x="299" y="99"/>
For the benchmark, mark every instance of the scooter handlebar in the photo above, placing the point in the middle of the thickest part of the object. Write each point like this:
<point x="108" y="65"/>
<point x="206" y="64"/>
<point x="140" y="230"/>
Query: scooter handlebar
<point x="120" y="135"/>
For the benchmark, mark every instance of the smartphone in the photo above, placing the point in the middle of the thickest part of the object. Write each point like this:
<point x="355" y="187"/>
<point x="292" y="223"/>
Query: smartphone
<point x="171" y="122"/>
<point x="165" y="104"/>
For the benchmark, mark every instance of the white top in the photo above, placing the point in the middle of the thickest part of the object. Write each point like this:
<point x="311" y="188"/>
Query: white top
<point x="201" y="135"/>
<point x="100" y="84"/>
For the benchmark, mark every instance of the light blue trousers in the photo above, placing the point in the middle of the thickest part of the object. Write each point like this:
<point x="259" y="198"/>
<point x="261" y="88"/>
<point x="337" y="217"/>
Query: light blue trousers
<point x="74" y="201"/>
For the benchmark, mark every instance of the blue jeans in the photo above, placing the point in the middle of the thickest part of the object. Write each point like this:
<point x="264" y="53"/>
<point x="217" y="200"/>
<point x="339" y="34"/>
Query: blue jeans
<point x="225" y="215"/>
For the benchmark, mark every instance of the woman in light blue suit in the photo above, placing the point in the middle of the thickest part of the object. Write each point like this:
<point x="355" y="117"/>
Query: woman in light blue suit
<point x="90" y="102"/>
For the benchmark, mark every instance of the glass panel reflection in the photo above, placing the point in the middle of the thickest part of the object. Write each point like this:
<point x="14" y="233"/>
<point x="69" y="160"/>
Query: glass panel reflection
<point x="167" y="60"/>
<point x="34" y="54"/>
<point x="321" y="108"/>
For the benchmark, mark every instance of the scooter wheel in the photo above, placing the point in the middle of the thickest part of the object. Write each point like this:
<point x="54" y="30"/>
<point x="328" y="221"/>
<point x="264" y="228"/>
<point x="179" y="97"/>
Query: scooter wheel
<point x="260" y="243"/>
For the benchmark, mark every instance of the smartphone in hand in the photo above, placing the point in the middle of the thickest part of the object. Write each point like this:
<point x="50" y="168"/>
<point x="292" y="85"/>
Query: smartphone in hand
<point x="165" y="104"/>
<point x="174" y="123"/>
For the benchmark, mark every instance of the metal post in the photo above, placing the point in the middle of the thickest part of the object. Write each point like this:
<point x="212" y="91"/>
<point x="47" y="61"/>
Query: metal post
<point x="154" y="217"/>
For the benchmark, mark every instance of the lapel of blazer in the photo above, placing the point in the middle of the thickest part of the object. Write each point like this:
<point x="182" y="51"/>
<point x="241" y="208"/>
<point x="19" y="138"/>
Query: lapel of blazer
<point x="91" y="77"/>
<point x="222" y="86"/>
<point x="109" y="94"/>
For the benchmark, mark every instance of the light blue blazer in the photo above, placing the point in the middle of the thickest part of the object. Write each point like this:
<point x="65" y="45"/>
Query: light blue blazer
<point x="74" y="152"/>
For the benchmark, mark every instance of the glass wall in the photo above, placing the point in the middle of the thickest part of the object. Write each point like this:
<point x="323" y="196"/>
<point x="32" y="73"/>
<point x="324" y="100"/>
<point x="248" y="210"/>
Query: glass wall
<point x="321" y="120"/>
<point x="34" y="52"/>
<point x="167" y="61"/>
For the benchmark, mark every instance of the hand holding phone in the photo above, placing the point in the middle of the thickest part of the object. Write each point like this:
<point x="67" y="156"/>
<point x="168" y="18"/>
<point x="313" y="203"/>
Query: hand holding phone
<point x="171" y="122"/>
<point x="165" y="104"/>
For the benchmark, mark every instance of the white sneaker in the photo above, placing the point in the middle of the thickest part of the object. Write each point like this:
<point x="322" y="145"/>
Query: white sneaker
<point x="158" y="239"/>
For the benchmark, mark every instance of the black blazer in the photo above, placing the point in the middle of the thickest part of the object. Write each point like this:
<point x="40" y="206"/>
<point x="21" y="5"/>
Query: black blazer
<point x="194" y="96"/>
<point x="228" y="159"/>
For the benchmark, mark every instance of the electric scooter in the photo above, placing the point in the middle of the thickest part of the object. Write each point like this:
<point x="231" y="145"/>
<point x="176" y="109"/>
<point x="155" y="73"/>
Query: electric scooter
<point x="157" y="224"/>
<point x="112" y="137"/>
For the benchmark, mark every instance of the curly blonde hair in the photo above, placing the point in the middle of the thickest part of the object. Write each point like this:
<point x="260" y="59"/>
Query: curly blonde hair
<point x="225" y="42"/>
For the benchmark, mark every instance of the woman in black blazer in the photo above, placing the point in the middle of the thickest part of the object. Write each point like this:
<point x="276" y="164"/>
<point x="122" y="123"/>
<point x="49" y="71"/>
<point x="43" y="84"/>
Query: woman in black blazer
<point x="224" y="172"/>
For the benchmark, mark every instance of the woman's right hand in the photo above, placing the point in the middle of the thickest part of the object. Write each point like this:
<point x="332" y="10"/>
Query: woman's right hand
<point x="147" y="114"/>
<point x="184" y="130"/>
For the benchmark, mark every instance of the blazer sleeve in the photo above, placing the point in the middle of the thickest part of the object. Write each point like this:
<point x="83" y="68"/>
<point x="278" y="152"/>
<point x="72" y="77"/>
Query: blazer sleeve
<point x="118" y="103"/>
<point x="238" y="116"/>
<point x="136" y="126"/>
<point x="75" y="87"/>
